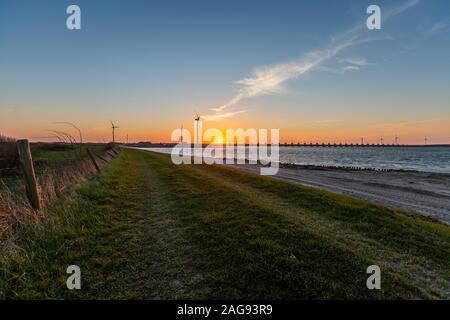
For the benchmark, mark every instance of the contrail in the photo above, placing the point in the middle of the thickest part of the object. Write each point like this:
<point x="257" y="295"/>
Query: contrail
<point x="269" y="79"/>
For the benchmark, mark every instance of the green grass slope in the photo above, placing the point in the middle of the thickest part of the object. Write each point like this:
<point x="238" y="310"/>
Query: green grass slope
<point x="147" y="229"/>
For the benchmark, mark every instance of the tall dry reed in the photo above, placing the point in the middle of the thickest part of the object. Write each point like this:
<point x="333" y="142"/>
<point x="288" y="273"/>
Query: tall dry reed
<point x="15" y="210"/>
<point x="8" y="152"/>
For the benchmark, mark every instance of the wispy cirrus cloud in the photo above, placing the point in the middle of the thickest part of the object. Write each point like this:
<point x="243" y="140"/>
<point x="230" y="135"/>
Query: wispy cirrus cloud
<point x="437" y="27"/>
<point x="347" y="68"/>
<point x="269" y="79"/>
<point x="222" y="115"/>
<point x="351" y="64"/>
<point x="359" y="62"/>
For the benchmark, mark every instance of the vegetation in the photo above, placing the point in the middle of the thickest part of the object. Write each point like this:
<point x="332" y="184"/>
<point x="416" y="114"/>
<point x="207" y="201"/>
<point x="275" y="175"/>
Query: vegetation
<point x="58" y="168"/>
<point x="146" y="228"/>
<point x="8" y="153"/>
<point x="57" y="154"/>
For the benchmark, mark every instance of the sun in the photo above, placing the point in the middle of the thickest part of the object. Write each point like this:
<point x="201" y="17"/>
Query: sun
<point x="219" y="140"/>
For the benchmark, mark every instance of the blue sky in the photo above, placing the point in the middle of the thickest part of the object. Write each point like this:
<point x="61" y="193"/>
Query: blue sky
<point x="149" y="64"/>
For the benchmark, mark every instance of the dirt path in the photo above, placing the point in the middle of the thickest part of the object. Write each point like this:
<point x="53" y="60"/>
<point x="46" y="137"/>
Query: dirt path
<point x="425" y="193"/>
<point x="171" y="273"/>
<point x="153" y="247"/>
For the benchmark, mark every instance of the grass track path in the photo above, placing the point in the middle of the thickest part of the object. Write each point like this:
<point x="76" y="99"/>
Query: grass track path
<point x="150" y="230"/>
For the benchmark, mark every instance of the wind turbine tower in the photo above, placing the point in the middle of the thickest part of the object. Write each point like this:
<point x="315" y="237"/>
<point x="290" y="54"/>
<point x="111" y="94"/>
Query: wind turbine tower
<point x="113" y="127"/>
<point x="181" y="136"/>
<point x="197" y="119"/>
<point x="396" y="139"/>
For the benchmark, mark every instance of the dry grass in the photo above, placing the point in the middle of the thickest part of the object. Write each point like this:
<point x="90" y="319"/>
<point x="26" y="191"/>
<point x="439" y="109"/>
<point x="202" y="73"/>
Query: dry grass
<point x="8" y="152"/>
<point x="15" y="210"/>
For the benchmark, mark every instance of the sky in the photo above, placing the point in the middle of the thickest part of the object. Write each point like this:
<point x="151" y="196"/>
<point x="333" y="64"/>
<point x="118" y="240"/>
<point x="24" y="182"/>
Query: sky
<point x="309" y="68"/>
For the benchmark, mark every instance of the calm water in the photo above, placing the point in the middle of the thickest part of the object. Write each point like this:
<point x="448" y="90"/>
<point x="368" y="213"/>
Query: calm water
<point x="431" y="159"/>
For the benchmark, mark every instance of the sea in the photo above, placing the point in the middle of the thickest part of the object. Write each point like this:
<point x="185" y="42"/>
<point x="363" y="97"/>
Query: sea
<point x="426" y="159"/>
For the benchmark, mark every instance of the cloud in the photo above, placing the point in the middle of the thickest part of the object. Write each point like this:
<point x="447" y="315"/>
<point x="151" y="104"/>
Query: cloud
<point x="269" y="79"/>
<point x="347" y="68"/>
<point x="352" y="64"/>
<point x="359" y="62"/>
<point x="224" y="115"/>
<point x="437" y="27"/>
<point x="400" y="9"/>
<point x="431" y="122"/>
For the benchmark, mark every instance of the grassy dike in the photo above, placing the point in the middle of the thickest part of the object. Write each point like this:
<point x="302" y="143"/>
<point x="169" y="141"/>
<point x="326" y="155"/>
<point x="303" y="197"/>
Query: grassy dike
<point x="147" y="229"/>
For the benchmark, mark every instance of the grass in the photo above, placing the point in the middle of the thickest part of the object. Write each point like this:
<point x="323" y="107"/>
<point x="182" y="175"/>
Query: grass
<point x="58" y="168"/>
<point x="56" y="155"/>
<point x="147" y="229"/>
<point x="8" y="152"/>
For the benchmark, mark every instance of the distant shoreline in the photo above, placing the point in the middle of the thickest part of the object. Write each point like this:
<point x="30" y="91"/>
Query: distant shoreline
<point x="300" y="164"/>
<point x="314" y="145"/>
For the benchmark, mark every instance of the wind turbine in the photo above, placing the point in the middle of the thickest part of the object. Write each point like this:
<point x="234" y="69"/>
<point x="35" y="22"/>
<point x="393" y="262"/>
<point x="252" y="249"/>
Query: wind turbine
<point x="396" y="139"/>
<point x="113" y="127"/>
<point x="381" y="139"/>
<point x="426" y="140"/>
<point x="197" y="119"/>
<point x="181" y="137"/>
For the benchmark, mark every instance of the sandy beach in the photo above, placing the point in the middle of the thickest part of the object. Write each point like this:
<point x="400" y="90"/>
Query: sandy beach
<point x="422" y="192"/>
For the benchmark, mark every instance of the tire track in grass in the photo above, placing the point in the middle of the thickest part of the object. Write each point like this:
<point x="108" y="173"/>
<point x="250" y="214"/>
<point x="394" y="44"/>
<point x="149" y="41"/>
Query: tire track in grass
<point x="252" y="251"/>
<point x="172" y="272"/>
<point x="149" y="253"/>
<point x="413" y="269"/>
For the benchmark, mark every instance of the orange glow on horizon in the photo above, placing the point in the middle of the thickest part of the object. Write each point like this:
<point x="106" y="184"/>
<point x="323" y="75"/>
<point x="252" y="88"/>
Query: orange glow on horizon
<point x="413" y="132"/>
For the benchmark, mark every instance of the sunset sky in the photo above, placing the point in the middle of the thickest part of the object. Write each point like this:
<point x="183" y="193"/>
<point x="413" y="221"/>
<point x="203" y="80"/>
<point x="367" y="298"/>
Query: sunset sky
<point x="309" y="68"/>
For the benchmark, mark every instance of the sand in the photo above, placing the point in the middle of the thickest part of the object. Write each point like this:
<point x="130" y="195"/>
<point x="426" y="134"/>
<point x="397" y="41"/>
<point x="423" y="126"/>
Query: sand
<point x="421" y="192"/>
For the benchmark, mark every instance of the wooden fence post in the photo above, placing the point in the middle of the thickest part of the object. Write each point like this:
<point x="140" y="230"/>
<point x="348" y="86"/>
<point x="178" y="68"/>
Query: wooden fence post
<point x="26" y="163"/>
<point x="93" y="160"/>
<point x="100" y="157"/>
<point x="111" y="154"/>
